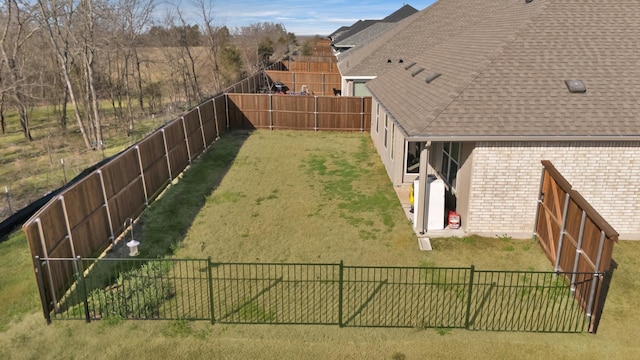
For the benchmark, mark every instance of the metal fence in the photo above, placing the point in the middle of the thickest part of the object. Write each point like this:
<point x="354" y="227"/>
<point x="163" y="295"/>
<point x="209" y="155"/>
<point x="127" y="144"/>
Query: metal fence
<point x="327" y="294"/>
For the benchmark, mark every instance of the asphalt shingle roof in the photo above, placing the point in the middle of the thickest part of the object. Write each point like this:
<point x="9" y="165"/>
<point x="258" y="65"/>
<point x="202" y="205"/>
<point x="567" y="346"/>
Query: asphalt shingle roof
<point x="504" y="64"/>
<point x="359" y="29"/>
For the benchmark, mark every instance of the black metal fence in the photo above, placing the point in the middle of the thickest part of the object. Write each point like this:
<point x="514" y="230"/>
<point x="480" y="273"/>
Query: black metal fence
<point x="328" y="294"/>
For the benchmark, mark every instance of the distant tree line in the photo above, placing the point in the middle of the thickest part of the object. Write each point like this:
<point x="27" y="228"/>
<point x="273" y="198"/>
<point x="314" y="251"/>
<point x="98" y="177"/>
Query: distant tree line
<point x="85" y="53"/>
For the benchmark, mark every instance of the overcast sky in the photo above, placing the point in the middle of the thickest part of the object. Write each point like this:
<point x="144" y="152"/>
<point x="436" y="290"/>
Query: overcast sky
<point x="306" y="17"/>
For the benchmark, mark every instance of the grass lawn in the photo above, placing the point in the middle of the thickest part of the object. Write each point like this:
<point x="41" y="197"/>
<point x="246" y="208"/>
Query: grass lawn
<point x="302" y="197"/>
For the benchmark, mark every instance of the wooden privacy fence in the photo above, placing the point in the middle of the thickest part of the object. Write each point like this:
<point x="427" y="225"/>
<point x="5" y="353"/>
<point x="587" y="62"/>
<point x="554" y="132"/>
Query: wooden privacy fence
<point x="321" y="56"/>
<point x="269" y="111"/>
<point x="85" y="218"/>
<point x="311" y="66"/>
<point x="319" y="83"/>
<point x="575" y="238"/>
<point x="254" y="83"/>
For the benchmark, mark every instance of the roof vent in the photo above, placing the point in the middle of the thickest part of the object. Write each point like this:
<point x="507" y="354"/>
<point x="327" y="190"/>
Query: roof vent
<point x="576" y="86"/>
<point x="400" y="61"/>
<point x="389" y="61"/>
<point x="416" y="72"/>
<point x="409" y="65"/>
<point x="527" y="1"/>
<point x="432" y="77"/>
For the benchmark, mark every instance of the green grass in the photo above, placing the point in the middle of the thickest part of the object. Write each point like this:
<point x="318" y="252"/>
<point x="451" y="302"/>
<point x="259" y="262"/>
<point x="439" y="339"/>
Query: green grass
<point x="18" y="290"/>
<point x="166" y="223"/>
<point x="286" y="196"/>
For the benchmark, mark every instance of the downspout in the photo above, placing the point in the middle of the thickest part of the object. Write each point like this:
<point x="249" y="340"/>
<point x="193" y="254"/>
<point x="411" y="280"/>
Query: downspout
<point x="423" y="191"/>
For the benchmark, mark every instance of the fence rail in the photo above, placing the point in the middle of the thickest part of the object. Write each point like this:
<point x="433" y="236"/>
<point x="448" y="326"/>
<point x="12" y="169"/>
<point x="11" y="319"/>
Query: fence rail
<point x="325" y="294"/>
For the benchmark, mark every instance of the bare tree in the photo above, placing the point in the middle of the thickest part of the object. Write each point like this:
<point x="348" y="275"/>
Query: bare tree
<point x="187" y="41"/>
<point x="179" y="40"/>
<point x="216" y="37"/>
<point x="131" y="18"/>
<point x="3" y="125"/>
<point x="17" y="30"/>
<point x="56" y="17"/>
<point x="87" y="44"/>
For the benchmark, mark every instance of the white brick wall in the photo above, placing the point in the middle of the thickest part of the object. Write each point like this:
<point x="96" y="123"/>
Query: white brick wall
<point x="506" y="181"/>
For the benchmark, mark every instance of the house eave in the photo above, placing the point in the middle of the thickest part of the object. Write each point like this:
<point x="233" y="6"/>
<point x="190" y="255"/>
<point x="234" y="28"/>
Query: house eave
<point x="509" y="138"/>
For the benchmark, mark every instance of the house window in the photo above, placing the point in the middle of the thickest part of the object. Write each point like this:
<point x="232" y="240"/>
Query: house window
<point x="386" y="130"/>
<point x="393" y="132"/>
<point x="414" y="148"/>
<point x="377" y="118"/>
<point x="450" y="162"/>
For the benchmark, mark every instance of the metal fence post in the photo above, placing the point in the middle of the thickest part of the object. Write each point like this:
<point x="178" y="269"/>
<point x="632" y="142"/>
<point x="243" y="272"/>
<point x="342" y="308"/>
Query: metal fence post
<point x="211" y="303"/>
<point x="469" y="296"/>
<point x="340" y="292"/>
<point x="83" y="285"/>
<point x="596" y="274"/>
<point x="43" y="295"/>
<point x="563" y="230"/>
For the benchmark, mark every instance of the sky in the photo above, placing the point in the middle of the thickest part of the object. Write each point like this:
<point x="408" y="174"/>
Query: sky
<point x="306" y="17"/>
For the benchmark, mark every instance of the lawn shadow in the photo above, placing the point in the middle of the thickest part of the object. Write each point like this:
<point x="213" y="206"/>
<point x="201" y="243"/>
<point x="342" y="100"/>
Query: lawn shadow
<point x="163" y="226"/>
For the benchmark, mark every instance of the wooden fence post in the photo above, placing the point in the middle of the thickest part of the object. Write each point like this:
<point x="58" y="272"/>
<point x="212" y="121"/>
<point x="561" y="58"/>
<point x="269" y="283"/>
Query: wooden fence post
<point x="106" y="205"/>
<point x="562" y="231"/>
<point x="186" y="138"/>
<point x="46" y="255"/>
<point x="226" y="108"/>
<point x="362" y="116"/>
<point x="315" y="113"/>
<point x="270" y="112"/>
<point x="67" y="224"/>
<point x="144" y="182"/>
<point x="204" y="138"/>
<point x="166" y="154"/>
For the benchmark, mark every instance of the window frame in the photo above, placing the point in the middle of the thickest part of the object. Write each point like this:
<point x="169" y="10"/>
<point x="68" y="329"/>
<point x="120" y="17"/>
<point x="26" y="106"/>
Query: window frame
<point x="450" y="156"/>
<point x="377" y="118"/>
<point x="416" y="165"/>
<point x="393" y="133"/>
<point x="386" y="131"/>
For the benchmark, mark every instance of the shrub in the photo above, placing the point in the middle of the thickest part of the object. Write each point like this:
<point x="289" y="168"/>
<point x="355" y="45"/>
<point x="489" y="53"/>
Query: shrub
<point x="137" y="293"/>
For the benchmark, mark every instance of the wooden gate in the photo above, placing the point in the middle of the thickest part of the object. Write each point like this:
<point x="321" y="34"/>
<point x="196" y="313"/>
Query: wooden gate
<point x="576" y="239"/>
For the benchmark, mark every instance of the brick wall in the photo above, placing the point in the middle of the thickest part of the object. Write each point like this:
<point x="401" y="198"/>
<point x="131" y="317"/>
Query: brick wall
<point x="506" y="179"/>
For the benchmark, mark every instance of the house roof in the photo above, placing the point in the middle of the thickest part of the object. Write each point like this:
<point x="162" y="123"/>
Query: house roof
<point x="374" y="30"/>
<point x="368" y="34"/>
<point x="354" y="29"/>
<point x="360" y="25"/>
<point x="503" y="66"/>
<point x="338" y="31"/>
<point x="403" y="12"/>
